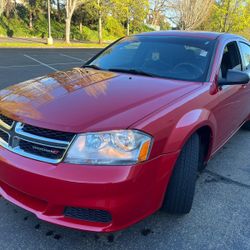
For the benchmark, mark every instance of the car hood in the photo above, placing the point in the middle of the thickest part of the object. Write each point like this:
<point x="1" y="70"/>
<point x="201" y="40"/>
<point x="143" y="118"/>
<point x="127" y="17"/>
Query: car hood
<point x="83" y="100"/>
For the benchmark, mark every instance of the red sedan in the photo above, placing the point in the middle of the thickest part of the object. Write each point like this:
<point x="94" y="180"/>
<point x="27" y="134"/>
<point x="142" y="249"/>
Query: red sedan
<point x="103" y="146"/>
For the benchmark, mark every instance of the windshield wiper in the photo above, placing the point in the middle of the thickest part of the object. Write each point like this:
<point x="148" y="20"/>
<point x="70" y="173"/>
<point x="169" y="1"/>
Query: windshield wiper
<point x="92" y="66"/>
<point x="132" y="71"/>
<point x="129" y="71"/>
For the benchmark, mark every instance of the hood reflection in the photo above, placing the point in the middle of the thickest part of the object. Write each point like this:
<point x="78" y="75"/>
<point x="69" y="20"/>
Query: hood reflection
<point x="23" y="99"/>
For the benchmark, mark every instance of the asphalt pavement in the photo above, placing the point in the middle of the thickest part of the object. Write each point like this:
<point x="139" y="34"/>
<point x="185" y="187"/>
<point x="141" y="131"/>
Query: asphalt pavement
<point x="220" y="218"/>
<point x="17" y="65"/>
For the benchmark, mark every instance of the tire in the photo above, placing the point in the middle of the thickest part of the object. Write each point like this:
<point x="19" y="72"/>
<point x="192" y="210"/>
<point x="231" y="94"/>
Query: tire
<point x="246" y="125"/>
<point x="202" y="153"/>
<point x="180" y="192"/>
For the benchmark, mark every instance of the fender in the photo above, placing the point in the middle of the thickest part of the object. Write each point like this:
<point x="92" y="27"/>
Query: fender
<point x="187" y="125"/>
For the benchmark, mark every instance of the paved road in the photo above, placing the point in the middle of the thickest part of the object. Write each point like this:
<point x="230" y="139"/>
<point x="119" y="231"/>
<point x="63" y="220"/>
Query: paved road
<point x="220" y="218"/>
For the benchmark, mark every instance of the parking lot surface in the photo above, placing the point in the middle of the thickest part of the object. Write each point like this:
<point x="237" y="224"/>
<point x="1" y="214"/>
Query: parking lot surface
<point x="17" y="65"/>
<point x="220" y="218"/>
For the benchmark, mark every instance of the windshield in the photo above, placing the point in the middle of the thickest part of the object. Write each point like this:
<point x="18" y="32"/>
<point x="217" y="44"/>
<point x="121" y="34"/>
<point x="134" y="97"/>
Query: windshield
<point x="171" y="57"/>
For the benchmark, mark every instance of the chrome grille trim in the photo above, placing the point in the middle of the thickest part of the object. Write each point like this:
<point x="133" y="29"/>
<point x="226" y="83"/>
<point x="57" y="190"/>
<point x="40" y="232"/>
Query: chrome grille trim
<point x="5" y="125"/>
<point x="16" y="134"/>
<point x="22" y="134"/>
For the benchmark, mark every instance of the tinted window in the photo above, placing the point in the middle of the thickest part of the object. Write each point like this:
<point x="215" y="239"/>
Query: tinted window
<point x="168" y="57"/>
<point x="230" y="59"/>
<point x="246" y="55"/>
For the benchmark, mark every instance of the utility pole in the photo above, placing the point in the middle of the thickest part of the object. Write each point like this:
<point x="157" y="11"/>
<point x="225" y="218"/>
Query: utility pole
<point x="50" y="39"/>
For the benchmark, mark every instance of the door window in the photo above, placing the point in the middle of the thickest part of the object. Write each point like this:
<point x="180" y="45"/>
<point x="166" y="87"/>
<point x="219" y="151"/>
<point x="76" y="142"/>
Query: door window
<point x="230" y="60"/>
<point x="245" y="50"/>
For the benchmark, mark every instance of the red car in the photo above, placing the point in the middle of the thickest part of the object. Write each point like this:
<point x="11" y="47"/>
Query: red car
<point x="103" y="146"/>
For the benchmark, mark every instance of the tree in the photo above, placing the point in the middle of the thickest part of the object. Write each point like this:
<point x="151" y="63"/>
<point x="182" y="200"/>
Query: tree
<point x="31" y="6"/>
<point x="2" y="5"/>
<point x="70" y="7"/>
<point x="7" y="6"/>
<point x="34" y="7"/>
<point x="229" y="16"/>
<point x="158" y="9"/>
<point x="57" y="6"/>
<point x="130" y="11"/>
<point x="189" y="14"/>
<point x="79" y="16"/>
<point x="100" y="9"/>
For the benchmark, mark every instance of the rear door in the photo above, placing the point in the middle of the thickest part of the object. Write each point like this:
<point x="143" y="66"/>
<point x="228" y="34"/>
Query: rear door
<point x="230" y="101"/>
<point x="245" y="55"/>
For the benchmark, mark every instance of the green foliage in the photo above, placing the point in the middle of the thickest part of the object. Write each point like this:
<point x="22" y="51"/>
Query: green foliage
<point x="89" y="35"/>
<point x="13" y="27"/>
<point x="245" y="33"/>
<point x="229" y="16"/>
<point x="144" y="28"/>
<point x="114" y="27"/>
<point x="131" y="11"/>
<point x="40" y="27"/>
<point x="92" y="35"/>
<point x="2" y="31"/>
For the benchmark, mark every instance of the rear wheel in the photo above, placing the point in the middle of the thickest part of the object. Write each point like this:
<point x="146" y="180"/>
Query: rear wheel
<point x="180" y="192"/>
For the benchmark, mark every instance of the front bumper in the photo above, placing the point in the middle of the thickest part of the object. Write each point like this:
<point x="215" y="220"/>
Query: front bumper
<point x="128" y="193"/>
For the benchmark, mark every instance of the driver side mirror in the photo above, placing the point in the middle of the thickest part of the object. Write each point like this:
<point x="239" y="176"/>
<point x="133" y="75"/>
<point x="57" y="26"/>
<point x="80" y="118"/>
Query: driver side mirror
<point x="234" y="77"/>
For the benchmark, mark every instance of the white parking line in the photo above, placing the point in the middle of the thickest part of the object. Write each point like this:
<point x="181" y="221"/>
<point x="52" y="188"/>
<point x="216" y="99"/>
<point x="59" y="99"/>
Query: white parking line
<point x="19" y="66"/>
<point x="44" y="64"/>
<point x="72" y="57"/>
<point x="34" y="65"/>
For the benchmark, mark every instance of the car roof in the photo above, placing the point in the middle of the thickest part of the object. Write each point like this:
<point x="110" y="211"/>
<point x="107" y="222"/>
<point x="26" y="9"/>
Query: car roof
<point x="198" y="34"/>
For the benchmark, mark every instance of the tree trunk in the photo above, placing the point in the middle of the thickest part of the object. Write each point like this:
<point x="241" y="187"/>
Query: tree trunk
<point x="1" y="7"/>
<point x="80" y="25"/>
<point x="67" y="29"/>
<point x="30" y="19"/>
<point x="59" y="13"/>
<point x="128" y="27"/>
<point x="58" y="6"/>
<point x="100" y="29"/>
<point x="7" y="13"/>
<point x="226" y="17"/>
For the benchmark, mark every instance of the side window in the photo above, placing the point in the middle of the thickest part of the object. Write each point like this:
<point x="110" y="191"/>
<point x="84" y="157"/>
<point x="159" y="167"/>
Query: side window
<point x="230" y="60"/>
<point x="245" y="50"/>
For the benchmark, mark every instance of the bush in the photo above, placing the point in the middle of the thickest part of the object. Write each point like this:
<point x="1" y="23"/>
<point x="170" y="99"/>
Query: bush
<point x="89" y="35"/>
<point x="40" y="27"/>
<point x="144" y="28"/>
<point x="114" y="28"/>
<point x="14" y="27"/>
<point x="2" y="31"/>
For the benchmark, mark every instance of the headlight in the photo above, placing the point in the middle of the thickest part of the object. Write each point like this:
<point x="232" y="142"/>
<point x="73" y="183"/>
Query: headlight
<point x="119" y="147"/>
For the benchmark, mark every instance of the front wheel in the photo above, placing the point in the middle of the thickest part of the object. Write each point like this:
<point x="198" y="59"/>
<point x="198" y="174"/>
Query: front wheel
<point x="180" y="192"/>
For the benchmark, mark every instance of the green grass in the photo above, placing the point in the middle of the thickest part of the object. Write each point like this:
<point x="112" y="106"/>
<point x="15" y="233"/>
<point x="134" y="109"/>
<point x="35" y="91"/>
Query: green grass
<point x="55" y="45"/>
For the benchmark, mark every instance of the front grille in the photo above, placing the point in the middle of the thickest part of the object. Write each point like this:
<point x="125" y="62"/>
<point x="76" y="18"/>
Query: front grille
<point x="41" y="150"/>
<point x="4" y="136"/>
<point x="52" y="134"/>
<point x="6" y="120"/>
<point x="34" y="142"/>
<point x="93" y="215"/>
